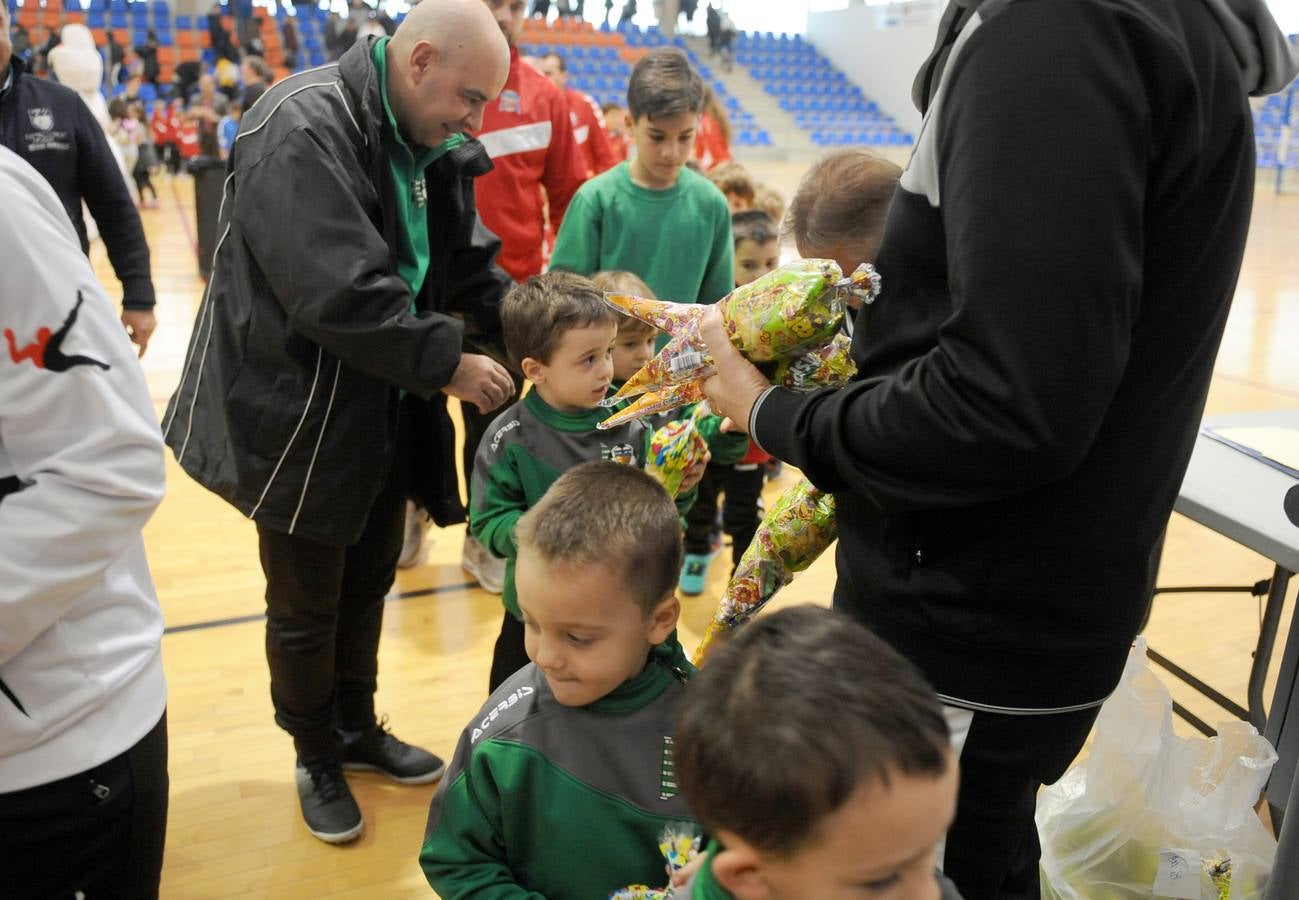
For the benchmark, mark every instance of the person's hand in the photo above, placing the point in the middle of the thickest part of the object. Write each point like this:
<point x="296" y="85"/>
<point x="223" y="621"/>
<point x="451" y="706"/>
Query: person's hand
<point x="480" y="380"/>
<point x="139" y="325"/>
<point x="738" y="384"/>
<point x="695" y="473"/>
<point x="682" y="875"/>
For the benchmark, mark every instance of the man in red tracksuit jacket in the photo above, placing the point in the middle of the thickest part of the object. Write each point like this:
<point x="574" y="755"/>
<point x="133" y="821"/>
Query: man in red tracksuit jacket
<point x="529" y="136"/>
<point x="588" y="121"/>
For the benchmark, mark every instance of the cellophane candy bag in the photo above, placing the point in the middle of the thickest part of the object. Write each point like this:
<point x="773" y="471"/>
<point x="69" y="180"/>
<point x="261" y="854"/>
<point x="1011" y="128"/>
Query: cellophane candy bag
<point x="830" y="365"/>
<point x="780" y="315"/>
<point x="674" y="397"/>
<point x="795" y="531"/>
<point x="676" y="447"/>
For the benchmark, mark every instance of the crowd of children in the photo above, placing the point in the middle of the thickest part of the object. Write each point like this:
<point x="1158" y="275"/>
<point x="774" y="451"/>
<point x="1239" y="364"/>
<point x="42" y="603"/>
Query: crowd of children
<point x="593" y="718"/>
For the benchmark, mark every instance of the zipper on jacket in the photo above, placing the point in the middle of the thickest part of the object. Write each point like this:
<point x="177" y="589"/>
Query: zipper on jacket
<point x="4" y="689"/>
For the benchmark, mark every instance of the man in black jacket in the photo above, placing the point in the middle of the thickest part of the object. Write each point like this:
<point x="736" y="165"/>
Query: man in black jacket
<point x="1058" y="264"/>
<point x="350" y="269"/>
<point x="51" y="127"/>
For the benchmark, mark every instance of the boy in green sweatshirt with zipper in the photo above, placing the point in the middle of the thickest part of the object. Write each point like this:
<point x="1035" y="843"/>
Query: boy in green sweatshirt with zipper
<point x="562" y="784"/>
<point x="561" y="335"/>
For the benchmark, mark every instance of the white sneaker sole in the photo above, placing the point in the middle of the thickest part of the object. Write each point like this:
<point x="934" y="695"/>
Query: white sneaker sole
<point x="426" y="778"/>
<point x="341" y="837"/>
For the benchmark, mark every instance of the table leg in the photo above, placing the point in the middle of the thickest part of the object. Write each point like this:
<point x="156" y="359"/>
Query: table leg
<point x="1266" y="641"/>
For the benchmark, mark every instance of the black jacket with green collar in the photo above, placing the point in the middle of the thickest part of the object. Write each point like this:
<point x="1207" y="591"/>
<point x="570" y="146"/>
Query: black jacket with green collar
<point x="305" y="340"/>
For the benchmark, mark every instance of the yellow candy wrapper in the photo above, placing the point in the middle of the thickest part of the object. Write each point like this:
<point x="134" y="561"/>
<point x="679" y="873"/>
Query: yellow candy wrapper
<point x="670" y="398"/>
<point x="679" y="844"/>
<point x="795" y="531"/>
<point x="676" y="447"/>
<point x="830" y="365"/>
<point x="779" y="316"/>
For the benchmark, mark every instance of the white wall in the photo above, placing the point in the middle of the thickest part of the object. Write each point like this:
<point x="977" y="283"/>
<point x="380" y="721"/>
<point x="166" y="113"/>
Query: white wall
<point x="878" y="50"/>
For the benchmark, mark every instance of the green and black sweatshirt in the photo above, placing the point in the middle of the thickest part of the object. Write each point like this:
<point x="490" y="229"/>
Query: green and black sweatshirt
<point x="524" y="452"/>
<point x="548" y="801"/>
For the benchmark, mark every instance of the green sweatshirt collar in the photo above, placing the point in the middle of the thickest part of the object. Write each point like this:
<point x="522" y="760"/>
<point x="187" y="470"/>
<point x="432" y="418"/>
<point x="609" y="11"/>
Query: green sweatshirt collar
<point x="585" y="420"/>
<point x="667" y="663"/>
<point x="705" y="886"/>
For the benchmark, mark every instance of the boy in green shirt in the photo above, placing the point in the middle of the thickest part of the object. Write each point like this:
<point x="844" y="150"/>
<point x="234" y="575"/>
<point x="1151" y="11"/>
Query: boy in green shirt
<point x="854" y="782"/>
<point x="561" y="335"/>
<point x="651" y="215"/>
<point x="562" y="784"/>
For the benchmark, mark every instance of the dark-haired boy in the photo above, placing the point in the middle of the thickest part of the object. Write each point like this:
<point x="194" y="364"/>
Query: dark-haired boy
<point x="560" y="334"/>
<point x="671" y="227"/>
<point x="855" y="786"/>
<point x="562" y="784"/>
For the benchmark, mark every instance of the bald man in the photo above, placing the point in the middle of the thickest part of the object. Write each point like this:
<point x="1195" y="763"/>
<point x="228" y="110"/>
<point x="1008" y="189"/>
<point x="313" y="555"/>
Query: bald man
<point x="350" y="275"/>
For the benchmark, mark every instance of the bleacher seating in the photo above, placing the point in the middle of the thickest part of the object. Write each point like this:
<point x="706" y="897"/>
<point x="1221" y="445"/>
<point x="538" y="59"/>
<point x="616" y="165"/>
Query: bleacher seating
<point x="819" y="96"/>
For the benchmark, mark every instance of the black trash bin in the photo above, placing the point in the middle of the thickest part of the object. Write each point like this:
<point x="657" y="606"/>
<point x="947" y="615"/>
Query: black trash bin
<point x="209" y="180"/>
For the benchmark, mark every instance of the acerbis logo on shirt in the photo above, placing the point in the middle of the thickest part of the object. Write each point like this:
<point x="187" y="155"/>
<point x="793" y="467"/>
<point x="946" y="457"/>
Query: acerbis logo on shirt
<point x="515" y="697"/>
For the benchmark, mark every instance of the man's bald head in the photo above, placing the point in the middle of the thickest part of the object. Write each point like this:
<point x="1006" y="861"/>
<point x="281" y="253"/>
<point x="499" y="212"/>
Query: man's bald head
<point x="446" y="61"/>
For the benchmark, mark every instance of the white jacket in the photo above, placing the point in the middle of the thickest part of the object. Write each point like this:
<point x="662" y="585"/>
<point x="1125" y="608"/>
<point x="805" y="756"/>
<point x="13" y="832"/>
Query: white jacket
<point x="80" y="664"/>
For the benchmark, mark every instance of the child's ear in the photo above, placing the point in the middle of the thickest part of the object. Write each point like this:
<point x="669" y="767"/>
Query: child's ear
<point x="664" y="618"/>
<point x="737" y="867"/>
<point x="626" y="120"/>
<point x="533" y="370"/>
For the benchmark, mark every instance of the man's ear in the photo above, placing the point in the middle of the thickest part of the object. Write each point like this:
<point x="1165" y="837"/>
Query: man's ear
<point x="737" y="867"/>
<point x="423" y="59"/>
<point x="533" y="370"/>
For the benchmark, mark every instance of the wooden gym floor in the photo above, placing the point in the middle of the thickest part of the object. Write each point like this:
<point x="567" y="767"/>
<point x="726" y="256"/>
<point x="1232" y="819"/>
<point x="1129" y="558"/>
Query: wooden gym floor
<point x="234" y="828"/>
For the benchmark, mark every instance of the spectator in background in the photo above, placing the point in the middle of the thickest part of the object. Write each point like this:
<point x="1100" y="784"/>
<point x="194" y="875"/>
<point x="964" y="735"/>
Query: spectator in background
<point x="165" y="138"/>
<point x="726" y="39"/>
<point x="615" y="127"/>
<point x="205" y="115"/>
<point x="529" y="136"/>
<point x="229" y="127"/>
<point x="114" y="56"/>
<point x="588" y="126"/>
<point x="713" y="139"/>
<point x="148" y="54"/>
<point x="80" y="167"/>
<point x="733" y="180"/>
<point x="289" y="40"/>
<point x="21" y="42"/>
<point x="257" y="77"/>
<point x="712" y="24"/>
<point x="222" y="46"/>
<point x="83" y="724"/>
<point x="333" y="35"/>
<point x="148" y="158"/>
<point x="227" y="78"/>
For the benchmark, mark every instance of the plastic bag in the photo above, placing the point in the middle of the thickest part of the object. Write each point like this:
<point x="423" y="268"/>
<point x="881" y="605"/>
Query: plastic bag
<point x="1152" y="814"/>
<point x="676" y="447"/>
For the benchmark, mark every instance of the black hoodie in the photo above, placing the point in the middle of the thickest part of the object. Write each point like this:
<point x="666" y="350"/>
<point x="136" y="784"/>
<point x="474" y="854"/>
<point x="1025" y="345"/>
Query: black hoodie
<point x="1058" y="264"/>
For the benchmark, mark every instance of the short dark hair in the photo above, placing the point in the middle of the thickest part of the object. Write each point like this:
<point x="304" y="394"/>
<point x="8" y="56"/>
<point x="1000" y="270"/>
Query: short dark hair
<point x="842" y="201"/>
<point x="790" y="716"/>
<point x="663" y="84"/>
<point x="563" y="66"/>
<point x="259" y="67"/>
<point x="537" y="313"/>
<point x="613" y="515"/>
<point x="609" y="107"/>
<point x="753" y="225"/>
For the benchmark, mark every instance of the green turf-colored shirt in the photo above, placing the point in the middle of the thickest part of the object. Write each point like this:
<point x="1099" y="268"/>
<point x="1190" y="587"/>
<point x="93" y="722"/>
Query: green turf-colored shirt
<point x="677" y="240"/>
<point x="408" y="162"/>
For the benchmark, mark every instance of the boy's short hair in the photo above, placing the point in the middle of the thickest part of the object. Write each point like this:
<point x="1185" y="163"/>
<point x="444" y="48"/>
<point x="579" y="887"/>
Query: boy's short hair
<point x="608" y="107"/>
<point x="770" y="201"/>
<point x="606" y="513"/>
<point x="537" y="313"/>
<point x="753" y="225"/>
<point x="617" y="281"/>
<point x="733" y="178"/>
<point x="563" y="66"/>
<point x="663" y="84"/>
<point x="790" y="716"/>
<point x="843" y="200"/>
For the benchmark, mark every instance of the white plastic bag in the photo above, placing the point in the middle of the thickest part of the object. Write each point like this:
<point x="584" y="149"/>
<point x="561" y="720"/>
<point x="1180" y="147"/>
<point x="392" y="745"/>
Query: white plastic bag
<point x="1152" y="814"/>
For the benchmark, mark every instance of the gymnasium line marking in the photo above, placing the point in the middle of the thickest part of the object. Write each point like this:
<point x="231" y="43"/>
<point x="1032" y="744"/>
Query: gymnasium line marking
<point x="255" y="617"/>
<point x="184" y="220"/>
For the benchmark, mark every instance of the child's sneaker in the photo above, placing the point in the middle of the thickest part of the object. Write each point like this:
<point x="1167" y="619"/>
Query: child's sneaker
<point x="479" y="562"/>
<point x="694" y="569"/>
<point x="328" y="807"/>
<point x="415" y="544"/>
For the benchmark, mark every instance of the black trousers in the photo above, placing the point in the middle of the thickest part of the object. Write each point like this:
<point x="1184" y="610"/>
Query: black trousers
<point x="742" y="486"/>
<point x="475" y="427"/>
<point x="509" y="655"/>
<point x="992" y="849"/>
<point x="98" y="834"/>
<point x="324" y="612"/>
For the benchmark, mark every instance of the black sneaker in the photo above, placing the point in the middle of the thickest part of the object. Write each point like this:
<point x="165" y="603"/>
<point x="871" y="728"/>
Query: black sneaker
<point x="379" y="751"/>
<point x="328" y="807"/>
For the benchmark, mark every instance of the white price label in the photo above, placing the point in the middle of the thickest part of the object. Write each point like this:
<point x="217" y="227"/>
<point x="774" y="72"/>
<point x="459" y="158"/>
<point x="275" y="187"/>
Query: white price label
<point x="1178" y="875"/>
